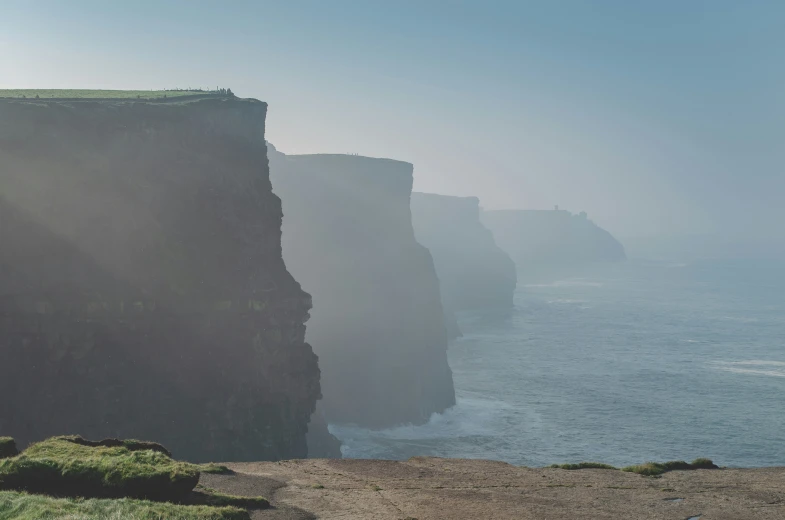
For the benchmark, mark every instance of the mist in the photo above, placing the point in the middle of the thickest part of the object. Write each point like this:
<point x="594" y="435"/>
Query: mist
<point x="655" y="120"/>
<point x="417" y="259"/>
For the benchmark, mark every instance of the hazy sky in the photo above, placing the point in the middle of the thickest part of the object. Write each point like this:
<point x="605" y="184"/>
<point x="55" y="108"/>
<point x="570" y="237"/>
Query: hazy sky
<point x="652" y="116"/>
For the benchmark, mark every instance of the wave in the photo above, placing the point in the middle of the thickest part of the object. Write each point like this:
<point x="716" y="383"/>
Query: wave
<point x="753" y="367"/>
<point x="740" y="319"/>
<point x="469" y="418"/>
<point x="567" y="283"/>
<point x="565" y="301"/>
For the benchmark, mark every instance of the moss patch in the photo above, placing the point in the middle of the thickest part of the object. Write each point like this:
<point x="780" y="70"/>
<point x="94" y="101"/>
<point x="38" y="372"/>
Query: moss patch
<point x="7" y="448"/>
<point x="215" y="469"/>
<point x="63" y="467"/>
<point x="583" y="465"/>
<point x="651" y="469"/>
<point x="130" y="444"/>
<point x="211" y="497"/>
<point x="22" y="506"/>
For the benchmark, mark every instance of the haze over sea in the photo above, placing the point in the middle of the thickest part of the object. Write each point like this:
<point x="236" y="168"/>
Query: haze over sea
<point x="631" y="362"/>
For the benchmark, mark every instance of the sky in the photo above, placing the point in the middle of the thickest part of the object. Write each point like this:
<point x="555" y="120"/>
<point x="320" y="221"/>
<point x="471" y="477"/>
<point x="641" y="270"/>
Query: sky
<point x="655" y="117"/>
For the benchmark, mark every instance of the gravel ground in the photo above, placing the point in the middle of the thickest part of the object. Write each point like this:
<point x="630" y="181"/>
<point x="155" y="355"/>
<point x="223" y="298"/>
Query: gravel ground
<point x="425" y="488"/>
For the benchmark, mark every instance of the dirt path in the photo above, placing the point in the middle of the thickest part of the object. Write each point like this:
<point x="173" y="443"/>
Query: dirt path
<point x="431" y="488"/>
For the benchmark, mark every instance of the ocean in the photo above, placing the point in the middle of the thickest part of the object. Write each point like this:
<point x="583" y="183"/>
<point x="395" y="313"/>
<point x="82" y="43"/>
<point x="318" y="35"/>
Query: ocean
<point x="623" y="364"/>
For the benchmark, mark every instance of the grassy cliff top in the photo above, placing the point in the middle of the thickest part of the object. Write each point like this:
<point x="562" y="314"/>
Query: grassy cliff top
<point x="102" y="94"/>
<point x="71" y="464"/>
<point x="23" y="506"/>
<point x="70" y="477"/>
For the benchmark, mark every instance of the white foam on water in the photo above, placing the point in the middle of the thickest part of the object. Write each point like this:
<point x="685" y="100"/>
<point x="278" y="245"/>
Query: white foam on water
<point x="567" y="283"/>
<point x="740" y="319"/>
<point x="564" y="301"/>
<point x="470" y="417"/>
<point x="752" y="367"/>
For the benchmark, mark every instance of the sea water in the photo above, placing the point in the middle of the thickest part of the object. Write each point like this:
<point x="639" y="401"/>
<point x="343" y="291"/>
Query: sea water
<point x="628" y="363"/>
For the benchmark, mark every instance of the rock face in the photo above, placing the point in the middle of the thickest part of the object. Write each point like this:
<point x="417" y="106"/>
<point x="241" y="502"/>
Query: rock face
<point x="549" y="242"/>
<point x="377" y="323"/>
<point x="321" y="443"/>
<point x="142" y="289"/>
<point x="473" y="272"/>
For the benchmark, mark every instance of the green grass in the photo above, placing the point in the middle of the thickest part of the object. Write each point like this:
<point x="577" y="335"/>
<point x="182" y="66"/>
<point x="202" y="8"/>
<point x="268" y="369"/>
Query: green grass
<point x="63" y="467"/>
<point x="211" y="497"/>
<point x="131" y="444"/>
<point x="22" y="506"/>
<point x="703" y="463"/>
<point x="101" y="94"/>
<point x="7" y="447"/>
<point x="651" y="469"/>
<point x="583" y="465"/>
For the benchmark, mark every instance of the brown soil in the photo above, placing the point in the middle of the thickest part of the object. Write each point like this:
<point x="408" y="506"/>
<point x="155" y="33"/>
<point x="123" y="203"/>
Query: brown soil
<point x="425" y="488"/>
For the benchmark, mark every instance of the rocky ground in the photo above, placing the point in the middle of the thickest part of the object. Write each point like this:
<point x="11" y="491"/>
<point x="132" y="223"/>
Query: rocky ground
<point x="431" y="488"/>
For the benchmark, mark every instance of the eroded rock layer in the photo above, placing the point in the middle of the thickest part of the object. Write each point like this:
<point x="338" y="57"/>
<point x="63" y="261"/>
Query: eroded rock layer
<point x="474" y="273"/>
<point x="142" y="289"/>
<point x="377" y="322"/>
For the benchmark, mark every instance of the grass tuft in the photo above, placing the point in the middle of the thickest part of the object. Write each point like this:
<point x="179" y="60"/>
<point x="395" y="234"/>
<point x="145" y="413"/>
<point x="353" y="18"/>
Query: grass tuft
<point x="653" y="469"/>
<point x="215" y="469"/>
<point x="583" y="465"/>
<point x="23" y="506"/>
<point x="63" y="467"/>
<point x="7" y="448"/>
<point x="130" y="444"/>
<point x="703" y="463"/>
<point x="211" y="497"/>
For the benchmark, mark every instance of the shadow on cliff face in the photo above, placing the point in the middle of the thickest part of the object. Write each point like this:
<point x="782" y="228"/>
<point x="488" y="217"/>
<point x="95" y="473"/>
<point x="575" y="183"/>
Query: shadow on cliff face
<point x="70" y="364"/>
<point x="377" y="323"/>
<point x="142" y="291"/>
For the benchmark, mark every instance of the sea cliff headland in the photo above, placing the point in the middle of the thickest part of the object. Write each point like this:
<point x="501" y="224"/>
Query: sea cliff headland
<point x="474" y="273"/>
<point x="142" y="289"/>
<point x="547" y="243"/>
<point x="377" y="321"/>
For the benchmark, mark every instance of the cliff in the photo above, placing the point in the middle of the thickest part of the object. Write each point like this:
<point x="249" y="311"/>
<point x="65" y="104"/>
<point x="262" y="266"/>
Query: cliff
<point x="473" y="272"/>
<point x="551" y="242"/>
<point x="377" y="323"/>
<point x="142" y="289"/>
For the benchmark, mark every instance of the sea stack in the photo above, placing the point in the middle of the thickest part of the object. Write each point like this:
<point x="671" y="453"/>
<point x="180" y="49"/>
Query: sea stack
<point x="142" y="289"/>
<point x="377" y="323"/>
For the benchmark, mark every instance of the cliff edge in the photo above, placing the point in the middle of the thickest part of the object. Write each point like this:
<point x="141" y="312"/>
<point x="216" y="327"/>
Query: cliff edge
<point x="142" y="289"/>
<point x="377" y="324"/>
<point x="460" y="489"/>
<point x="474" y="273"/>
<point x="551" y="242"/>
